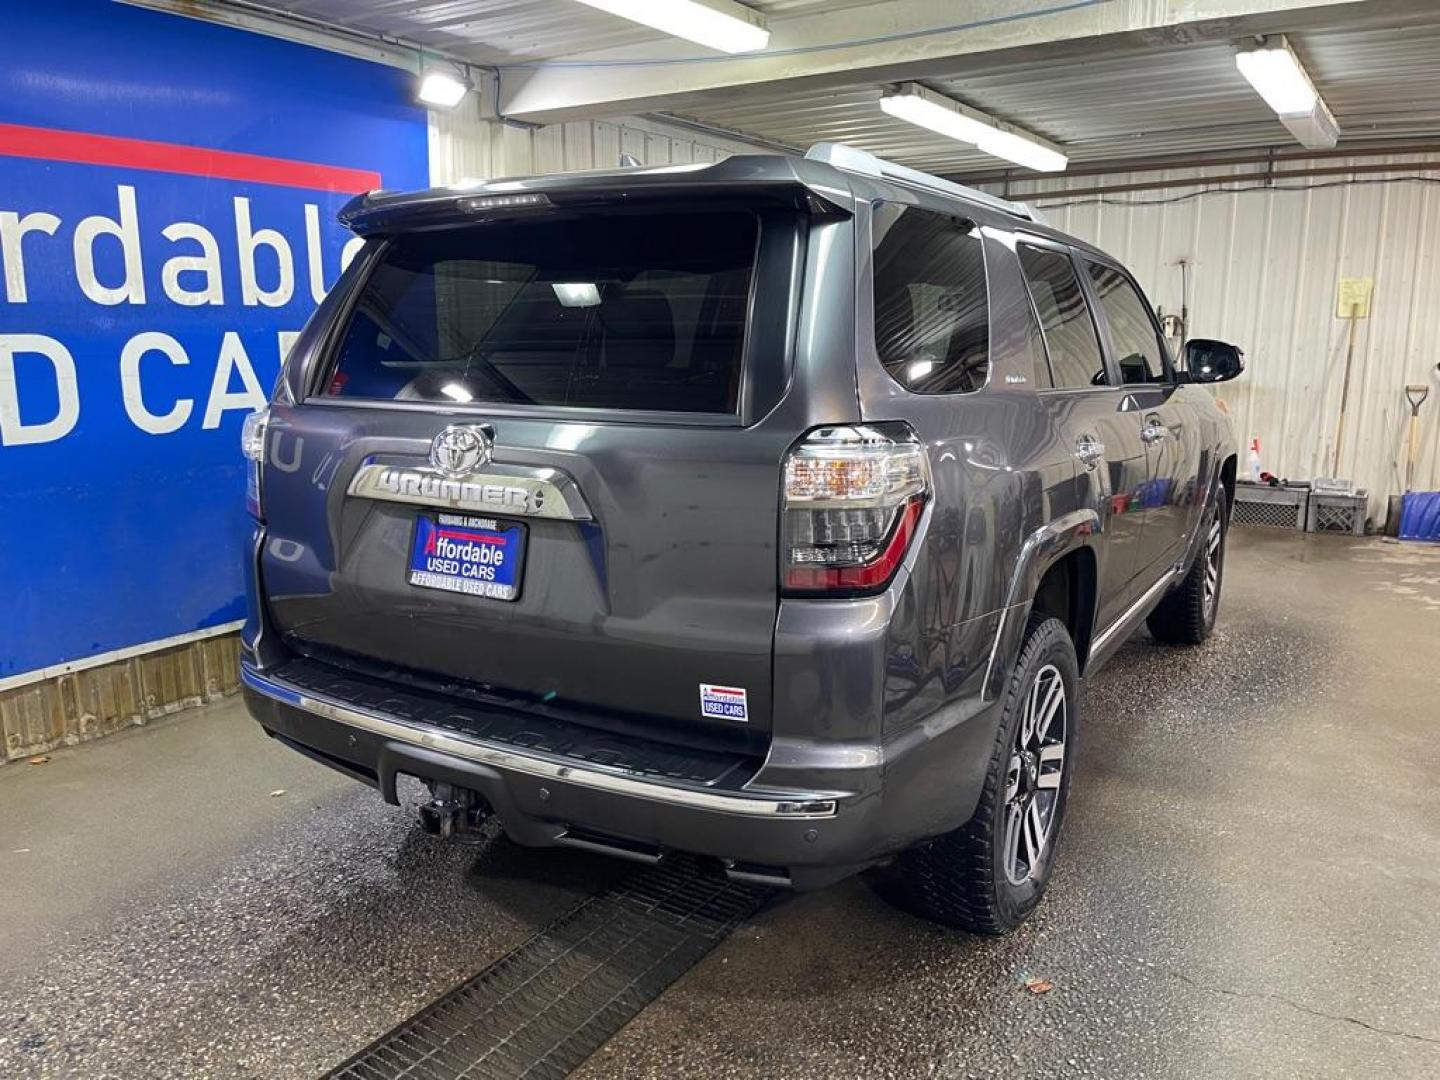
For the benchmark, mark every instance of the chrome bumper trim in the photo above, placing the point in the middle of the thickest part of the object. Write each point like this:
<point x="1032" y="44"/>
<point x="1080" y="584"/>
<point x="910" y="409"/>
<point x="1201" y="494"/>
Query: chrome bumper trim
<point x="793" y="808"/>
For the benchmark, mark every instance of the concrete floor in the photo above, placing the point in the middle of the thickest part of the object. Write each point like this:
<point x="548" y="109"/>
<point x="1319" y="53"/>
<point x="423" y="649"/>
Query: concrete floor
<point x="1249" y="886"/>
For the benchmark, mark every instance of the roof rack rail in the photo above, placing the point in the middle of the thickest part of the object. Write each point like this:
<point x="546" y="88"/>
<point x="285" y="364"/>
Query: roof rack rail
<point x="852" y="159"/>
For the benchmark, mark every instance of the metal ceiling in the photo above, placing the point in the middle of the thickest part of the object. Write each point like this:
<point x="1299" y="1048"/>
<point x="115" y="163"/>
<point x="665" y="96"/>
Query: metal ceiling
<point x="1380" y="83"/>
<point x="1377" y="65"/>
<point x="505" y="31"/>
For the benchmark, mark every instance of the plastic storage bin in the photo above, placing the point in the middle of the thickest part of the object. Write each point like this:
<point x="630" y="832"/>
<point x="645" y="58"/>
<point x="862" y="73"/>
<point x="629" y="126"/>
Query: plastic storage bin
<point x="1269" y="507"/>
<point x="1337" y="513"/>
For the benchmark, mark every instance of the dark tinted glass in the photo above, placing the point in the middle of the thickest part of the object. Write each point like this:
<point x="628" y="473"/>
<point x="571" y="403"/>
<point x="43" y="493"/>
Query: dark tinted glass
<point x="932" y="326"/>
<point x="1137" y="345"/>
<point x="627" y="311"/>
<point x="1075" y="357"/>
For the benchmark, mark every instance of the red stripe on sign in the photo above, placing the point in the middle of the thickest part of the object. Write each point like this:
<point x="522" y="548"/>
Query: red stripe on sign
<point x="52" y="144"/>
<point x="729" y="693"/>
<point x="478" y="538"/>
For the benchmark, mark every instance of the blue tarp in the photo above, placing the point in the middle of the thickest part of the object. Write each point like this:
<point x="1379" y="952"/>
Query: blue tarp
<point x="1420" y="516"/>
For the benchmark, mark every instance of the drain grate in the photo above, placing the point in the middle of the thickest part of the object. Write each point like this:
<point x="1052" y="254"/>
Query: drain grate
<point x="543" y="1009"/>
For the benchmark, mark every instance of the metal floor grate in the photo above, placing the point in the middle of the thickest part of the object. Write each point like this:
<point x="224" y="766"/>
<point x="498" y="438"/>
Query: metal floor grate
<point x="543" y="1009"/>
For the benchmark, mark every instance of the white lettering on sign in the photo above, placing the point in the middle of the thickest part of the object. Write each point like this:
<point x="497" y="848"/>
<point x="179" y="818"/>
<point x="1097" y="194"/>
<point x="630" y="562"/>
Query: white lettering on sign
<point x="287" y="342"/>
<point x="57" y="379"/>
<point x="127" y="231"/>
<point x="13" y="228"/>
<point x="134" y="397"/>
<point x="265" y="257"/>
<point x="232" y="361"/>
<point x="350" y="250"/>
<point x="250" y="242"/>
<point x="312" y="252"/>
<point x="111" y="250"/>
<point x="61" y="374"/>
<point x="207" y="263"/>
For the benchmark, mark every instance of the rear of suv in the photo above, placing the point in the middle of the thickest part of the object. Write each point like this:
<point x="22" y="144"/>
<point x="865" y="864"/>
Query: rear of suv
<point x="744" y="510"/>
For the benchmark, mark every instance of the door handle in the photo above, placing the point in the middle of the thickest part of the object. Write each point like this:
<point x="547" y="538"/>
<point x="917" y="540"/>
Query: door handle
<point x="1153" y="432"/>
<point x="1090" y="451"/>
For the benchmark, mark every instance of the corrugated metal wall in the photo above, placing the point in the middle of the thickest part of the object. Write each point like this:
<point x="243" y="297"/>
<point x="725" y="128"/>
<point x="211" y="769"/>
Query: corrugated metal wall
<point x="464" y="146"/>
<point x="1264" y="267"/>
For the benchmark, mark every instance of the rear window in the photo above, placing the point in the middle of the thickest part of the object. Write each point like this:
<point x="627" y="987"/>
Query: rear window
<point x="625" y="311"/>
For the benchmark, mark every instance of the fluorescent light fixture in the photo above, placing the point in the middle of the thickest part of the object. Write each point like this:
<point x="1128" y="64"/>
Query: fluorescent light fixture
<point x="1274" y="70"/>
<point x="1316" y="129"/>
<point x="717" y="24"/>
<point x="456" y="392"/>
<point x="442" y="89"/>
<point x="924" y="111"/>
<point x="576" y="293"/>
<point x="1023" y="150"/>
<point x="945" y="116"/>
<point x="1277" y="75"/>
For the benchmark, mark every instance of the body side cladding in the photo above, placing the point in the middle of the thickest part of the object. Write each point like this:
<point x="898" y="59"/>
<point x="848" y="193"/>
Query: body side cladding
<point x="1042" y="549"/>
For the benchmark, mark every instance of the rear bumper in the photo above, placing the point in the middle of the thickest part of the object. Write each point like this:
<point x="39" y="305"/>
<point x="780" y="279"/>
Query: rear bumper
<point x="805" y="838"/>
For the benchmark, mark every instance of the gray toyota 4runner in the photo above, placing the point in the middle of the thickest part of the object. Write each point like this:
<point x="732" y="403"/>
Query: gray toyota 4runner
<point x="770" y="511"/>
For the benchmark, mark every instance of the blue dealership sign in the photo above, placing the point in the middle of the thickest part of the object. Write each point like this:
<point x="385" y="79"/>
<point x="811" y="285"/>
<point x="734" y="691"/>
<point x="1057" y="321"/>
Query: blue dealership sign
<point x="168" y="190"/>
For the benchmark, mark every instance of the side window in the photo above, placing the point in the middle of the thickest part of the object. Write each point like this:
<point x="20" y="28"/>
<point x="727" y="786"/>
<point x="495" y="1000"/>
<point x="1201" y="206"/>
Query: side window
<point x="1137" y="345"/>
<point x="932" y="322"/>
<point x="1075" y="357"/>
<point x="1035" y="347"/>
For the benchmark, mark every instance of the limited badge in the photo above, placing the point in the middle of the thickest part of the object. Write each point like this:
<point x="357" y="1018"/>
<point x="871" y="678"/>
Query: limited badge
<point x="724" y="702"/>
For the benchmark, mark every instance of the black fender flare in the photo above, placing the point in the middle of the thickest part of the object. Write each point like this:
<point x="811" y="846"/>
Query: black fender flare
<point x="1043" y="548"/>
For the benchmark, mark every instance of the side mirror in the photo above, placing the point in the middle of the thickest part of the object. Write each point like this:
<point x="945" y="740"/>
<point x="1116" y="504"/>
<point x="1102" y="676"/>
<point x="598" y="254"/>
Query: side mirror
<point x="1208" y="361"/>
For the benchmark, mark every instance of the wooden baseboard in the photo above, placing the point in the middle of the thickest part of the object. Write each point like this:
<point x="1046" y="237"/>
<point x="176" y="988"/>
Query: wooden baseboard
<point x="83" y="705"/>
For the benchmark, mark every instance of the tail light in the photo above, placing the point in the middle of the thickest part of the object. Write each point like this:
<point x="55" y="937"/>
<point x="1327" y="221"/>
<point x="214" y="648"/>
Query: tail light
<point x="252" y="445"/>
<point x="852" y="501"/>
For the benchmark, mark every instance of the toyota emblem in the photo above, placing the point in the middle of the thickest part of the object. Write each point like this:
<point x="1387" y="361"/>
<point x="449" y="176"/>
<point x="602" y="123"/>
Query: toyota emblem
<point x="461" y="449"/>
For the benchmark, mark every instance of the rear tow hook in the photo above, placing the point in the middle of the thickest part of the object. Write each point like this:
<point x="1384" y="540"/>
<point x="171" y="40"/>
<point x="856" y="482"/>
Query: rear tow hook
<point x="452" y="810"/>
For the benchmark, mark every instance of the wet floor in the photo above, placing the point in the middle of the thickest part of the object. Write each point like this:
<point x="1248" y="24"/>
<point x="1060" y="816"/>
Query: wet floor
<point x="1249" y="885"/>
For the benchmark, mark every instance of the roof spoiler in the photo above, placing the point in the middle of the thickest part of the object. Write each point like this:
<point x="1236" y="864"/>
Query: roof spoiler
<point x="854" y="160"/>
<point x="379" y="213"/>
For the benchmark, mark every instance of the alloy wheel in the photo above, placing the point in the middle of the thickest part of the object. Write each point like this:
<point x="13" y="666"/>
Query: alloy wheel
<point x="1212" y="565"/>
<point x="1032" y="780"/>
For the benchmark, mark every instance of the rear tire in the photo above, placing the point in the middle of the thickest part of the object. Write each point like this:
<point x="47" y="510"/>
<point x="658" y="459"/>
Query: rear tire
<point x="987" y="876"/>
<point x="1186" y="615"/>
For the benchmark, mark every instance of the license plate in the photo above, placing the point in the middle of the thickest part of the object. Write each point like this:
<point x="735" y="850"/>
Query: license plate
<point x="474" y="555"/>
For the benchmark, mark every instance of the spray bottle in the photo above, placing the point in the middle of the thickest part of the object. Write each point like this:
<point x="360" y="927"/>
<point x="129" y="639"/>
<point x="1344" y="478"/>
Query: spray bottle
<point x="1252" y="461"/>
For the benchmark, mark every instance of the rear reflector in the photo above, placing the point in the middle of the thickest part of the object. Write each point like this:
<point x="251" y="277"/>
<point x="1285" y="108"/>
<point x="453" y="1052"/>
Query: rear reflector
<point x="853" y="497"/>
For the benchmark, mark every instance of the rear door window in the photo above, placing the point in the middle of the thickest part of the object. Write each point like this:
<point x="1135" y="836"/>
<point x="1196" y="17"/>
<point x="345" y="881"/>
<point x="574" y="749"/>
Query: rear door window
<point x="1132" y="333"/>
<point x="1065" y="320"/>
<point x="628" y="311"/>
<point x="932" y="312"/>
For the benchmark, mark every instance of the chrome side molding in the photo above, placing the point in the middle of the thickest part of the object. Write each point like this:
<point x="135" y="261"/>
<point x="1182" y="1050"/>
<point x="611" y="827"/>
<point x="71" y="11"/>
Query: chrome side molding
<point x="1130" y="618"/>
